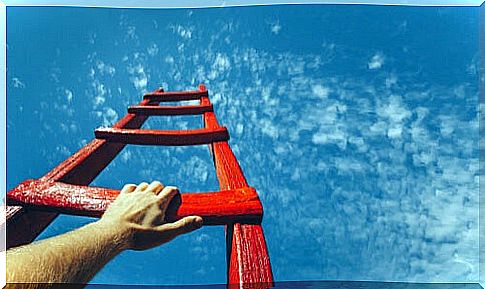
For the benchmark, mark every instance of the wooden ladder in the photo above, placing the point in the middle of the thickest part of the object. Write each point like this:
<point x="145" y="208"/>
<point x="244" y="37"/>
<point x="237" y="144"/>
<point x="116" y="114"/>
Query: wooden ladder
<point x="34" y="204"/>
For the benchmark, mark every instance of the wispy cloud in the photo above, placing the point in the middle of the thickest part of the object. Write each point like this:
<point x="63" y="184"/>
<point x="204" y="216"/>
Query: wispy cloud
<point x="376" y="61"/>
<point x="320" y="91"/>
<point x="275" y="27"/>
<point x="183" y="31"/>
<point x="17" y="83"/>
<point x="69" y="95"/>
<point x="138" y="77"/>
<point x="152" y="49"/>
<point x="104" y="68"/>
<point x="100" y="93"/>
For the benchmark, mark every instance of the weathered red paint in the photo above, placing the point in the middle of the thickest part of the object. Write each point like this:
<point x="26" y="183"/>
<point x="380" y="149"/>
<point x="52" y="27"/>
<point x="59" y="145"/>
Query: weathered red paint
<point x="170" y="110"/>
<point x="163" y="137"/>
<point x="216" y="208"/>
<point x="249" y="265"/>
<point x="248" y="259"/>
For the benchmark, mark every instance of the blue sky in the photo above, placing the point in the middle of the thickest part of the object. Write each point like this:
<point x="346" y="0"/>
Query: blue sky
<point x="226" y="3"/>
<point x="357" y="125"/>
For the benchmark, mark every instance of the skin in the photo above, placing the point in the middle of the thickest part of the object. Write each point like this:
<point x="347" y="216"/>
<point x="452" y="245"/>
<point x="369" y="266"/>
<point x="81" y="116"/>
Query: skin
<point x="134" y="221"/>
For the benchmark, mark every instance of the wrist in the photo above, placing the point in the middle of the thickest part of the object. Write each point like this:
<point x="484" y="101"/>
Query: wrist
<point x="116" y="233"/>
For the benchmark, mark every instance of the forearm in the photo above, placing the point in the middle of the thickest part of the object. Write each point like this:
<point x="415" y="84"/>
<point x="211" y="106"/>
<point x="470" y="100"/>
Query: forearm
<point x="135" y="220"/>
<point x="74" y="257"/>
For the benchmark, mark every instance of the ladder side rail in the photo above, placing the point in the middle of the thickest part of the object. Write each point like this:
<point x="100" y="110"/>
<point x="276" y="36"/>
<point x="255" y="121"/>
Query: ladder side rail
<point x="247" y="253"/>
<point x="24" y="225"/>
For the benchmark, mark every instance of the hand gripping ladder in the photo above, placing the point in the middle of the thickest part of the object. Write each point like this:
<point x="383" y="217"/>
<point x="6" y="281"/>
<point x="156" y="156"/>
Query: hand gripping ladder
<point x="33" y="204"/>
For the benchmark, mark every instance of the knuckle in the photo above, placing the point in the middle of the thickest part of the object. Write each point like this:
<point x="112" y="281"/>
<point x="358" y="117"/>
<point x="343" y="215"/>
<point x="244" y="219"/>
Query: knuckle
<point x="171" y="188"/>
<point x="128" y="188"/>
<point x="156" y="183"/>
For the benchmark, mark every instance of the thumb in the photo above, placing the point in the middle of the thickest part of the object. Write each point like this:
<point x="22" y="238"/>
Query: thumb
<point x="182" y="226"/>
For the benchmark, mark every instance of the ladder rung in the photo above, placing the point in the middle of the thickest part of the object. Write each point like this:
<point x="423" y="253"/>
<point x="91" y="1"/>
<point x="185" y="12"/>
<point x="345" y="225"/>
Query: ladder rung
<point x="163" y="137"/>
<point x="175" y="96"/>
<point x="170" y="110"/>
<point x="216" y="208"/>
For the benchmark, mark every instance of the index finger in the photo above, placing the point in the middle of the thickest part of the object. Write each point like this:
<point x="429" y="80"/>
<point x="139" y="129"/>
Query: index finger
<point x="128" y="188"/>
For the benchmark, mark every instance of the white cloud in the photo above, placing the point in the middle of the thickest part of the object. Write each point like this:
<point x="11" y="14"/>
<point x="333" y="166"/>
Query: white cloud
<point x="216" y="98"/>
<point x="376" y="61"/>
<point x="110" y="116"/>
<point x="268" y="128"/>
<point x="91" y="73"/>
<point x="239" y="128"/>
<point x="104" y="68"/>
<point x="393" y="109"/>
<point x="320" y="91"/>
<point x="139" y="77"/>
<point x="140" y="82"/>
<point x="196" y="168"/>
<point x="182" y="31"/>
<point x="69" y="95"/>
<point x="220" y="65"/>
<point x="330" y="135"/>
<point x="394" y="131"/>
<point x="169" y="59"/>
<point x="460" y="91"/>
<point x="131" y="31"/>
<point x="92" y="38"/>
<point x="391" y="80"/>
<point x="222" y="62"/>
<point x="275" y="28"/>
<point x="126" y="156"/>
<point x="152" y="49"/>
<point x="17" y="83"/>
<point x="100" y="94"/>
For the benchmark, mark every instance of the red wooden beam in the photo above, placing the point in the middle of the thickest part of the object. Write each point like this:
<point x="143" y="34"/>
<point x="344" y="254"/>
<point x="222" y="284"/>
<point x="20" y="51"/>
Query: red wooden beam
<point x="248" y="259"/>
<point x="249" y="265"/>
<point x="216" y="208"/>
<point x="161" y="96"/>
<point x="170" y="110"/>
<point x="249" y="262"/>
<point x="162" y="137"/>
<point x="24" y="225"/>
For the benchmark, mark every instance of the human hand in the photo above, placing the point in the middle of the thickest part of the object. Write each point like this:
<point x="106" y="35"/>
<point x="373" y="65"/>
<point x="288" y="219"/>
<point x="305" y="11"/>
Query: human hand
<point x="139" y="214"/>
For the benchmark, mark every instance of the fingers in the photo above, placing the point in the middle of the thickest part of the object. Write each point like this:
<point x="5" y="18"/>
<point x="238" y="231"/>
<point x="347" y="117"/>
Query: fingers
<point x="141" y="187"/>
<point x="182" y="226"/>
<point x="155" y="187"/>
<point x="128" y="188"/>
<point x="166" y="195"/>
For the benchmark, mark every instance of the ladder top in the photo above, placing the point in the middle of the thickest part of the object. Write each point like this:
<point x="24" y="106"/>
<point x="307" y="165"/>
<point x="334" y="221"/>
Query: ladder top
<point x="163" y="137"/>
<point x="160" y="96"/>
<point x="170" y="110"/>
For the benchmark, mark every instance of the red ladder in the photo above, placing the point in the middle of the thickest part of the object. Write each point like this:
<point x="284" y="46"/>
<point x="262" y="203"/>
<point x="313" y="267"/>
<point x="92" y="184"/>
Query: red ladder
<point x="34" y="204"/>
